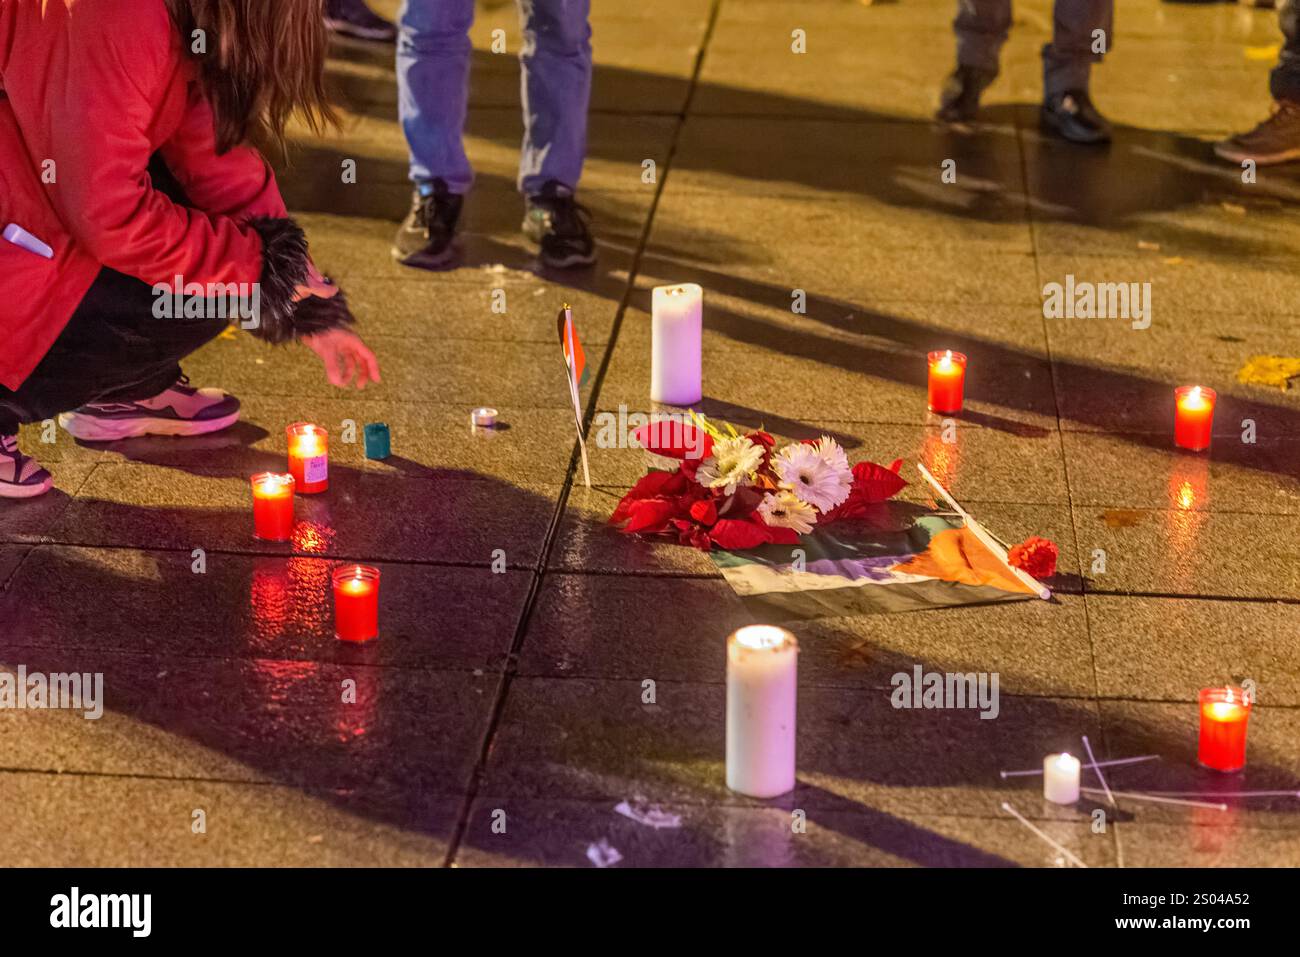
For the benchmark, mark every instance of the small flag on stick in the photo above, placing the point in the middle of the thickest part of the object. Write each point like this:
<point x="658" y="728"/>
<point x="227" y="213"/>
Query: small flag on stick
<point x="575" y="363"/>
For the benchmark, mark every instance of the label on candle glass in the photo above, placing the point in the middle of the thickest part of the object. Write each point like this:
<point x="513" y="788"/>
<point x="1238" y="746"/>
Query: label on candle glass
<point x="315" y="469"/>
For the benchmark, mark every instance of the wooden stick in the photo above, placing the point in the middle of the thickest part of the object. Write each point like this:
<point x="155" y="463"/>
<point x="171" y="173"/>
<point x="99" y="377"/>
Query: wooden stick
<point x="1064" y="853"/>
<point x="1039" y="589"/>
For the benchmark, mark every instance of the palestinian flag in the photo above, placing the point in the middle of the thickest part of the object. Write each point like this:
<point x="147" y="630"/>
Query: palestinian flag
<point x="575" y="358"/>
<point x="899" y="556"/>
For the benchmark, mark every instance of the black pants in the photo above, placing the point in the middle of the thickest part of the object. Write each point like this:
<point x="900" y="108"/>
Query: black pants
<point x="113" y="350"/>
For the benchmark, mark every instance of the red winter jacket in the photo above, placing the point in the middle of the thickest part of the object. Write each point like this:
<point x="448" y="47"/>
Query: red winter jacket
<point x="89" y="90"/>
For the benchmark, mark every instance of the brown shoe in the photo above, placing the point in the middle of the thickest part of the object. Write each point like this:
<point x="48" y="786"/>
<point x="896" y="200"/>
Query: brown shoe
<point x="1276" y="140"/>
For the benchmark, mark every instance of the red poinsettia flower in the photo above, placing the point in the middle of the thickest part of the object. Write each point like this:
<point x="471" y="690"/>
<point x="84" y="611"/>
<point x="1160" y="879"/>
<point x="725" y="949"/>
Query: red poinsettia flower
<point x="1035" y="556"/>
<point x="654" y="484"/>
<point x="872" y="484"/>
<point x="675" y="440"/>
<point x="704" y="511"/>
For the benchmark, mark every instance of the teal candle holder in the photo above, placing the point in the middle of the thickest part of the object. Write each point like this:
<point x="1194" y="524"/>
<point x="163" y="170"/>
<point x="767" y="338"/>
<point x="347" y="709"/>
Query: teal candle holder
<point x="378" y="440"/>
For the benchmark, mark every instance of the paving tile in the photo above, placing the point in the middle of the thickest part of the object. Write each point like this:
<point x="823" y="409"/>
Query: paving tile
<point x="257" y="608"/>
<point x="417" y="514"/>
<point x="89" y="821"/>
<point x="25" y="520"/>
<point x="1146" y="471"/>
<point x="1169" y="648"/>
<point x="853" y="747"/>
<point x="287" y="722"/>
<point x="1204" y="843"/>
<point x="455" y="371"/>
<point x="1183" y="552"/>
<point x="1170" y="730"/>
<point x="426" y="440"/>
<point x="560" y="834"/>
<point x="764" y="362"/>
<point x="1035" y="647"/>
<point x="1110" y="377"/>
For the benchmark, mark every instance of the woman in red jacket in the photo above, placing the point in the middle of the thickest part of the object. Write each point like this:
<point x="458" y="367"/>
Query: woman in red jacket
<point x="137" y="219"/>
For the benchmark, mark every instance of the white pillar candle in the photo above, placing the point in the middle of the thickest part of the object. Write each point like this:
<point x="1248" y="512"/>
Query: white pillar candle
<point x="761" y="691"/>
<point x="676" y="321"/>
<point x="1061" y="778"/>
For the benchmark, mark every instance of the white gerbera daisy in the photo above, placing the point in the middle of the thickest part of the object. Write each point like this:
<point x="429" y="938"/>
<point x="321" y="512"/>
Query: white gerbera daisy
<point x="731" y="464"/>
<point x="819" y="473"/>
<point x="784" y="510"/>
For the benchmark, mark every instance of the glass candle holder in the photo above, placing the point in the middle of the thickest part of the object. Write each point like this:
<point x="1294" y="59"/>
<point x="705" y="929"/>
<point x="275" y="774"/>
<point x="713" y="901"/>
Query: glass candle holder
<point x="1193" y="416"/>
<point x="356" y="602"/>
<point x="272" y="506"/>
<point x="1225" y="713"/>
<point x="308" y="457"/>
<point x="947" y="381"/>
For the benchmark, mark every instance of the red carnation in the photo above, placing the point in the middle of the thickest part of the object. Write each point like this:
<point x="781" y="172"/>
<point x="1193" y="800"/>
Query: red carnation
<point x="1035" y="556"/>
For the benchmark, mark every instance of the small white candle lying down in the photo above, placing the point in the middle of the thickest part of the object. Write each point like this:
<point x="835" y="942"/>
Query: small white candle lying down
<point x="676" y="341"/>
<point x="1061" y="778"/>
<point x="761" y="694"/>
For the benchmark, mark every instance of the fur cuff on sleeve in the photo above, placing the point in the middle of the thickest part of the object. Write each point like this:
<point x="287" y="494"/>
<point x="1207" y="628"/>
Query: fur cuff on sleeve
<point x="284" y="268"/>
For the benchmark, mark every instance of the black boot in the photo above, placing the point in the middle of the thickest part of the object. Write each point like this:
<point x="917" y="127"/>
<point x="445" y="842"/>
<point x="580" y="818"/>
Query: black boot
<point x="1071" y="116"/>
<point x="426" y="237"/>
<point x="960" y="100"/>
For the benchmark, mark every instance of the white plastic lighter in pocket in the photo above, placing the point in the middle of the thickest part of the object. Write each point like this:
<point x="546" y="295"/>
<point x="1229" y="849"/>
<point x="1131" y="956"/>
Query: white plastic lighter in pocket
<point x="25" y="240"/>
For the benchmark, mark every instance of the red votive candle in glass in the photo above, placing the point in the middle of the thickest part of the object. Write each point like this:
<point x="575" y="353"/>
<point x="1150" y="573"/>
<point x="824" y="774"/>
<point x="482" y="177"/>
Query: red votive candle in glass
<point x="1193" y="416"/>
<point x="272" y="506"/>
<point x="947" y="380"/>
<point x="309" y="457"/>
<point x="1224" y="714"/>
<point x="356" y="603"/>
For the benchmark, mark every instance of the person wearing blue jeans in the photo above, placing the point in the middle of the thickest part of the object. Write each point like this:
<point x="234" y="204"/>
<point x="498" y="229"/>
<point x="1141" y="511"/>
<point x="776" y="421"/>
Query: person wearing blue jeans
<point x="1081" y="33"/>
<point x="433" y="64"/>
<point x="1276" y="139"/>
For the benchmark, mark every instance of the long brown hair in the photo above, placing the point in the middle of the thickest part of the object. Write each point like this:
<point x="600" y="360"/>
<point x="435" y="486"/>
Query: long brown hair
<point x="260" y="62"/>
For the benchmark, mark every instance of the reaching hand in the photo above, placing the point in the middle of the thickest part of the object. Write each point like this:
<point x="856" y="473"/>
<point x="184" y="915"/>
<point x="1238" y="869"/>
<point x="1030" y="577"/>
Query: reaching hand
<point x="316" y="285"/>
<point x="345" y="356"/>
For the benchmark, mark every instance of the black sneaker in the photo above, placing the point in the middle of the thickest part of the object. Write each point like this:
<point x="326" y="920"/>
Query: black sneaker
<point x="179" y="409"/>
<point x="561" y="226"/>
<point x="20" y="475"/>
<point x="353" y="18"/>
<point x="1071" y="116"/>
<point x="960" y="100"/>
<point x="426" y="238"/>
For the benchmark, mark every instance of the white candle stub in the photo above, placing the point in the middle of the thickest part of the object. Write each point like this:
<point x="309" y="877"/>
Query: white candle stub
<point x="761" y="694"/>
<point x="676" y="334"/>
<point x="483" y="418"/>
<point x="1061" y="778"/>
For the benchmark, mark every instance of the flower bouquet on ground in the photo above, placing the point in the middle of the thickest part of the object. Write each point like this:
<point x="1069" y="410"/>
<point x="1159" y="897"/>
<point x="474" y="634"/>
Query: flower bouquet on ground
<point x="799" y="533"/>
<point x="735" y="491"/>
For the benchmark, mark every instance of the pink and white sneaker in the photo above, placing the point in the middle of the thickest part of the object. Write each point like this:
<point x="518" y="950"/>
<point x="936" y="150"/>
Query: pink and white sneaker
<point x="21" y="476"/>
<point x="180" y="410"/>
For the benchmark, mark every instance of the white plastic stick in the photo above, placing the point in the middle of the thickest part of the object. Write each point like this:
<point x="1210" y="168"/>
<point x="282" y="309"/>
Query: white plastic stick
<point x="1100" y="777"/>
<point x="1064" y="853"/>
<point x="1136" y="796"/>
<point x="1098" y="764"/>
<point x="1039" y="589"/>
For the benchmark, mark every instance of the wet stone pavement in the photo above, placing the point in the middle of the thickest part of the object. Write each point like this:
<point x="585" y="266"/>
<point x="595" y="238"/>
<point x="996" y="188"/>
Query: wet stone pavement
<point x="500" y="718"/>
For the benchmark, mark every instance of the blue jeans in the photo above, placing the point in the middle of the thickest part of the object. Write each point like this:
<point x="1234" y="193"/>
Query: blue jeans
<point x="433" y="60"/>
<point x="982" y="27"/>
